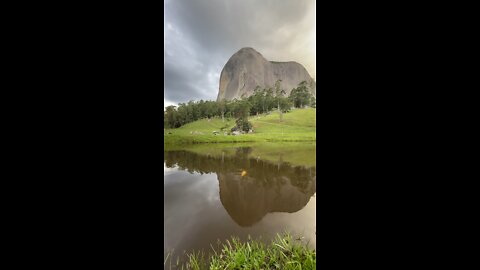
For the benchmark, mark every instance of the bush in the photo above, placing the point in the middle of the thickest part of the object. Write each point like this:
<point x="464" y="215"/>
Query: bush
<point x="242" y="125"/>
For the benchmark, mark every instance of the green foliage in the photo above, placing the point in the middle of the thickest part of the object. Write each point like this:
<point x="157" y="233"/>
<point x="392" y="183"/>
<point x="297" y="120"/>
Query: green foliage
<point x="171" y="116"/>
<point x="283" y="103"/>
<point x="301" y="95"/>
<point x="241" y="108"/>
<point x="242" y="124"/>
<point x="284" y="252"/>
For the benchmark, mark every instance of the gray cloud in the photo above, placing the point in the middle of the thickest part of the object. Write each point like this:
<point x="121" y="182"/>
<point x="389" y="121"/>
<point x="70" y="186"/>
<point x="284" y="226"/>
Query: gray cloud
<point x="201" y="35"/>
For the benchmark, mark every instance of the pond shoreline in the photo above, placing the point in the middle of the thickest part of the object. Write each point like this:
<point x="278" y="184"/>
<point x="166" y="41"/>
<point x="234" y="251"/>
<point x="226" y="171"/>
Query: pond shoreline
<point x="296" y="153"/>
<point x="180" y="140"/>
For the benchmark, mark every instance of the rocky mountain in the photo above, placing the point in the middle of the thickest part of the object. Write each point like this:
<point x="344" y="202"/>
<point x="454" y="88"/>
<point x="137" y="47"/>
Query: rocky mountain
<point x="247" y="68"/>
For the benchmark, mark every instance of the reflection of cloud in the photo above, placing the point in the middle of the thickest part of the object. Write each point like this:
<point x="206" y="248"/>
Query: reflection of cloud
<point x="306" y="227"/>
<point x="182" y="213"/>
<point x="168" y="171"/>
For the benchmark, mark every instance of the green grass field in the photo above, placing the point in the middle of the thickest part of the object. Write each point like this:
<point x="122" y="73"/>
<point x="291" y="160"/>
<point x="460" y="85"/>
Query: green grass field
<point x="297" y="125"/>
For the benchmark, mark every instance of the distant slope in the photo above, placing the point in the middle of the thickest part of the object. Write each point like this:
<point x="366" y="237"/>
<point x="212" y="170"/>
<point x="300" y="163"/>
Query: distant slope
<point x="297" y="125"/>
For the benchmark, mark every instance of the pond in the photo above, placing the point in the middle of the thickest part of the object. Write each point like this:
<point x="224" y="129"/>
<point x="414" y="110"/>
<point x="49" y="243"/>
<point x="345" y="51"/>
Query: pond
<point x="214" y="192"/>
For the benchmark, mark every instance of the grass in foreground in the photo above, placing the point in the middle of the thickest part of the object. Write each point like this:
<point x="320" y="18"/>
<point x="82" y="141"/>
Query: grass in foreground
<point x="282" y="253"/>
<point x="297" y="125"/>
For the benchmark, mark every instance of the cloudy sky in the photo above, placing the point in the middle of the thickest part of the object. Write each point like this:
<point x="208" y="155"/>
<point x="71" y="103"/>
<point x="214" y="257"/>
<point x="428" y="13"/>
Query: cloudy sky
<point x="201" y="35"/>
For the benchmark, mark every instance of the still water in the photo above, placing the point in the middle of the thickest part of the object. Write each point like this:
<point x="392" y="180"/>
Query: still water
<point x="214" y="193"/>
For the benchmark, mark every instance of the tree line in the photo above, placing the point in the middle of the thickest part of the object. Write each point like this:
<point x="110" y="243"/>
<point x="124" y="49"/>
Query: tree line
<point x="263" y="100"/>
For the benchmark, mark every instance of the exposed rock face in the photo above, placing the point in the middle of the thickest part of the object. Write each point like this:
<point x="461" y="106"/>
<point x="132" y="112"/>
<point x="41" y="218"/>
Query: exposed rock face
<point x="247" y="68"/>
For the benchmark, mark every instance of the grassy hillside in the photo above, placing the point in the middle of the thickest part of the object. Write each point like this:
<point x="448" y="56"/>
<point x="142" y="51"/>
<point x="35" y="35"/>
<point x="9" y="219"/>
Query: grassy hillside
<point x="297" y="125"/>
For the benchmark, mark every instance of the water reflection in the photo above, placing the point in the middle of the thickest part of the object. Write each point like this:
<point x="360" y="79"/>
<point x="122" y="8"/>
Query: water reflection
<point x="250" y="187"/>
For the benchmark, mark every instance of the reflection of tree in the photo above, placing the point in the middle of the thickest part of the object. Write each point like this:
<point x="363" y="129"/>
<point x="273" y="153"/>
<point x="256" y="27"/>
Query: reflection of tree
<point x="243" y="152"/>
<point x="267" y="187"/>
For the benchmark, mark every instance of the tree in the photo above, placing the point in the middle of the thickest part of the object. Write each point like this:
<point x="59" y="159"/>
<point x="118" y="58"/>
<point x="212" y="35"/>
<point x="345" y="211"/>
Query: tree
<point x="165" y="120"/>
<point x="242" y="111"/>
<point x="223" y="107"/>
<point x="190" y="111"/>
<point x="285" y="104"/>
<point x="279" y="96"/>
<point x="201" y="109"/>
<point x="257" y="100"/>
<point x="300" y="96"/>
<point x="209" y="109"/>
<point x="242" y="108"/>
<point x="269" y="99"/>
<point x="171" y="117"/>
<point x="231" y="108"/>
<point x="242" y="124"/>
<point x="182" y="114"/>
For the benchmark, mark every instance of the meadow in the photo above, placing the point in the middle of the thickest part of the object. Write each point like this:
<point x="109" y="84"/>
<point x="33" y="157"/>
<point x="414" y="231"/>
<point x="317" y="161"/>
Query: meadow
<point x="298" y="125"/>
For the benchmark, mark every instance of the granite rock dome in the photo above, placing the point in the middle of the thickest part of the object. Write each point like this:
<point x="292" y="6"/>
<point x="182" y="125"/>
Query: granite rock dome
<point x="247" y="69"/>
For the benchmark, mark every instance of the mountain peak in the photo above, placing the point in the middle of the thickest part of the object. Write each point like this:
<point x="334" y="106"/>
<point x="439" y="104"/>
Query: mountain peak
<point x="247" y="69"/>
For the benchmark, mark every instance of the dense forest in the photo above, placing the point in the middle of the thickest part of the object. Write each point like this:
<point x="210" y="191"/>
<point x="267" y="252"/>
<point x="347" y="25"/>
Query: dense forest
<point x="261" y="101"/>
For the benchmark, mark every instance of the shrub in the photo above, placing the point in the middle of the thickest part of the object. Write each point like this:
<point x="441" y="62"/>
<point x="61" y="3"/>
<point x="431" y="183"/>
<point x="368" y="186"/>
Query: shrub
<point x="242" y="125"/>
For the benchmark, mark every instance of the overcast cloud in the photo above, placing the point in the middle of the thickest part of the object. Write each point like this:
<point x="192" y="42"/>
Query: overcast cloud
<point x="201" y="35"/>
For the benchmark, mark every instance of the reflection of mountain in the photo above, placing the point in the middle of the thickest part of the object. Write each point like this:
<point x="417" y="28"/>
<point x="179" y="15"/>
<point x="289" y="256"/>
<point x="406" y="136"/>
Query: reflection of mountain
<point x="247" y="200"/>
<point x="266" y="187"/>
